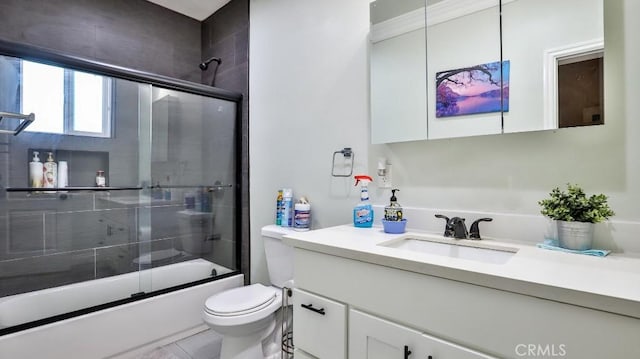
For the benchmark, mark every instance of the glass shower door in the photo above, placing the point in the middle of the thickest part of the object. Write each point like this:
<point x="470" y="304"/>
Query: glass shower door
<point x="192" y="213"/>
<point x="163" y="215"/>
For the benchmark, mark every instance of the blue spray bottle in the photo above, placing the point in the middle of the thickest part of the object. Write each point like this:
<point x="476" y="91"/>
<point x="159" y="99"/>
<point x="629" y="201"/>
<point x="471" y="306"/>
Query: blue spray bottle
<point x="363" y="211"/>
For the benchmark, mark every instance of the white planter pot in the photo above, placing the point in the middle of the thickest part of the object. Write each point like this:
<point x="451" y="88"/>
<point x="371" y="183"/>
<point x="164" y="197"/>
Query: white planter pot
<point x="575" y="235"/>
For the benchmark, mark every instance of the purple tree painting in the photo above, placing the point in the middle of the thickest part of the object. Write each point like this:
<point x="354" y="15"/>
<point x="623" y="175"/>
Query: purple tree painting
<point x="470" y="90"/>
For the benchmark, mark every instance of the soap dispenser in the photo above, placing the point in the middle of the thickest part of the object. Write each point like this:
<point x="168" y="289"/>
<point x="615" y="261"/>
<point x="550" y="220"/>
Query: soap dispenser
<point x="36" y="171"/>
<point x="393" y="212"/>
<point x="50" y="172"/>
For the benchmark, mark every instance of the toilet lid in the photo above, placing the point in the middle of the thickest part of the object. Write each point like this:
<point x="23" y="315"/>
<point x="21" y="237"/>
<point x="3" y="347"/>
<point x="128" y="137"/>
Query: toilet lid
<point x="238" y="301"/>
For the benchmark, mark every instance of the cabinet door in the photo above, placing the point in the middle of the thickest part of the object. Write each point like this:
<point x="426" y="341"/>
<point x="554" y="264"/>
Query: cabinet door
<point x="434" y="348"/>
<point x="374" y="338"/>
<point x="319" y="325"/>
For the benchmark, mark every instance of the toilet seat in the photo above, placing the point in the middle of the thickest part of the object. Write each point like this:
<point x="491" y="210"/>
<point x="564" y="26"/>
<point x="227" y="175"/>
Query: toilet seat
<point x="242" y="305"/>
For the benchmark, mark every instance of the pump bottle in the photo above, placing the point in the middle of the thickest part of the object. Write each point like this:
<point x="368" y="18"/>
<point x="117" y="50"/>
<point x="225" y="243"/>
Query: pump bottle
<point x="393" y="212"/>
<point x="50" y="172"/>
<point x="363" y="211"/>
<point x="36" y="171"/>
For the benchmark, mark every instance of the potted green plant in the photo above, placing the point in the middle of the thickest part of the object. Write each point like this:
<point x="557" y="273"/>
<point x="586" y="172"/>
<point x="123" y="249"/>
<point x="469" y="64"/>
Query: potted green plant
<point x="575" y="214"/>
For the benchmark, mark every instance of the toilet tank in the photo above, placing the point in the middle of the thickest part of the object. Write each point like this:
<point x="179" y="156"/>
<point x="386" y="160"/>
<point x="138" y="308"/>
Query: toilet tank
<point x="279" y="255"/>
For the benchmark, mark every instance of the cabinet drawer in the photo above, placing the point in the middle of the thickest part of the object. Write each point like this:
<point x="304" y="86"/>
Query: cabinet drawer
<point x="319" y="325"/>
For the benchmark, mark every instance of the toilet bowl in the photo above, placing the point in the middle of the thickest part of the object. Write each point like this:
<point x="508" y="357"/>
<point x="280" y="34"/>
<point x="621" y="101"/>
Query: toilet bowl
<point x="246" y="316"/>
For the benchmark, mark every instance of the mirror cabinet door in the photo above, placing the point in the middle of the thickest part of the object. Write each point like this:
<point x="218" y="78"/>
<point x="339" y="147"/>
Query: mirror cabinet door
<point x="445" y="69"/>
<point x="463" y="68"/>
<point x="398" y="71"/>
<point x="556" y="50"/>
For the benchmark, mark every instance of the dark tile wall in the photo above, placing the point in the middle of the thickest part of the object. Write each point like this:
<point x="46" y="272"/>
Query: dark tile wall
<point x="132" y="33"/>
<point x="225" y="34"/>
<point x="138" y="35"/>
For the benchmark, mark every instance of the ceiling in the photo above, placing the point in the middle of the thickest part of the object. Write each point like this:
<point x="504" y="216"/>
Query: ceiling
<point x="197" y="9"/>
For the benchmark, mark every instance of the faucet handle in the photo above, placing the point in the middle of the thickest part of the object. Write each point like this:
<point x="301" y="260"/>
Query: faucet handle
<point x="448" y="229"/>
<point x="474" y="232"/>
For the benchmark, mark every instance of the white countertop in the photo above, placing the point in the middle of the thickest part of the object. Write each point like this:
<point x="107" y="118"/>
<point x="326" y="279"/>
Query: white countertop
<point x="610" y="283"/>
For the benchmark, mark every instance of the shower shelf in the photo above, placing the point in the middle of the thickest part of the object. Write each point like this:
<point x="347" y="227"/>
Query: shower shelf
<point x="71" y="189"/>
<point x="209" y="188"/>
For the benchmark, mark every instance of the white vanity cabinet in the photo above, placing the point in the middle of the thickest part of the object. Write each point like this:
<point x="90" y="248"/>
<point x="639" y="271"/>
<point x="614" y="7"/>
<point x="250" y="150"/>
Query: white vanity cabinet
<point x="371" y="337"/>
<point x="383" y="309"/>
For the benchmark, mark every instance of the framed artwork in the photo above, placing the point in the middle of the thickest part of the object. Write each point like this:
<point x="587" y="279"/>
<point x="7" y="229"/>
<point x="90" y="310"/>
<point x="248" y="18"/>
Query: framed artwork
<point x="472" y="90"/>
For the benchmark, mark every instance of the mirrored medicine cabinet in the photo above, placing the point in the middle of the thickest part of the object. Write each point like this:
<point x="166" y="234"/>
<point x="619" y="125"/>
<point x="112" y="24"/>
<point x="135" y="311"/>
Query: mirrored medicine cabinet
<point x="458" y="68"/>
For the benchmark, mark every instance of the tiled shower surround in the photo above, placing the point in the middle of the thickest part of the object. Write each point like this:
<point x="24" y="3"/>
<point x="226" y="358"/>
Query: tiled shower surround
<point x="140" y="35"/>
<point x="67" y="238"/>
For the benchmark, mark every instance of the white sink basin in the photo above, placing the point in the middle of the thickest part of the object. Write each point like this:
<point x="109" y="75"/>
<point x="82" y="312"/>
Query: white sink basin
<point x="475" y="251"/>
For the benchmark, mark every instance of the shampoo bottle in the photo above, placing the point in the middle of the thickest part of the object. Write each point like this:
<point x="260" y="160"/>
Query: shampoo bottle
<point x="363" y="211"/>
<point x="393" y="212"/>
<point x="36" y="171"/>
<point x="50" y="172"/>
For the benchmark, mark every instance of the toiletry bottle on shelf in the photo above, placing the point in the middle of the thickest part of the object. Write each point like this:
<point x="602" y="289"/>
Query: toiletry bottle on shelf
<point x="101" y="180"/>
<point x="363" y="211"/>
<point x="63" y="174"/>
<point x="287" y="207"/>
<point x="50" y="172"/>
<point x="36" y="171"/>
<point x="279" y="199"/>
<point x="157" y="191"/>
<point x="167" y="191"/>
<point x="190" y="201"/>
<point x="205" y="199"/>
<point x="393" y="212"/>
<point x="199" y="200"/>
<point x="302" y="215"/>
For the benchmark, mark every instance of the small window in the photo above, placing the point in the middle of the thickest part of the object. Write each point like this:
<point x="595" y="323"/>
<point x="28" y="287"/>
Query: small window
<point x="65" y="101"/>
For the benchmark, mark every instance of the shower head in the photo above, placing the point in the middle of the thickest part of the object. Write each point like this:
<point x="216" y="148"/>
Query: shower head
<point x="205" y="65"/>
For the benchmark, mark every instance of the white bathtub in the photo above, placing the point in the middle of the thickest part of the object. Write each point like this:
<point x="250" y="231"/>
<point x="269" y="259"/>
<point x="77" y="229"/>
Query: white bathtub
<point x="122" y="332"/>
<point x="27" y="307"/>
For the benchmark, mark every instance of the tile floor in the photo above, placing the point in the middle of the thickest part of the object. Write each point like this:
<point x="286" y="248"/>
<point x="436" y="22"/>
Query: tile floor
<point x="204" y="345"/>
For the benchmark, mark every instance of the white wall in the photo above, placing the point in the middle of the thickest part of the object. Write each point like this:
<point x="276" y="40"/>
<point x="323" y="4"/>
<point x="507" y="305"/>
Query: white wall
<point x="309" y="91"/>
<point x="308" y="85"/>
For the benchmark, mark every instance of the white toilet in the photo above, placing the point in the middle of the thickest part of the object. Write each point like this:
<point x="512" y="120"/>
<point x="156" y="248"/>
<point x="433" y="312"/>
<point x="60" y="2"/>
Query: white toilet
<point x="246" y="316"/>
